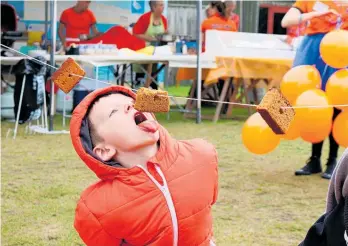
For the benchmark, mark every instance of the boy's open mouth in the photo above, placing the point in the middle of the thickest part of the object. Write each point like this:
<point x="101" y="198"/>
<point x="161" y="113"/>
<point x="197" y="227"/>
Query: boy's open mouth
<point x="144" y="124"/>
<point x="139" y="118"/>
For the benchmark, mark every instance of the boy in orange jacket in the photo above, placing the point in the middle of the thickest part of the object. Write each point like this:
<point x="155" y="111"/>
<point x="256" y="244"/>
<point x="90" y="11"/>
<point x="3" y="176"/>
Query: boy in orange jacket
<point x="153" y="189"/>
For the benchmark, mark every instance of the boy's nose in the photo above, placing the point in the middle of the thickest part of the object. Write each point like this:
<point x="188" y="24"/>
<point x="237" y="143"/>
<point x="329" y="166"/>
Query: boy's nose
<point x="128" y="107"/>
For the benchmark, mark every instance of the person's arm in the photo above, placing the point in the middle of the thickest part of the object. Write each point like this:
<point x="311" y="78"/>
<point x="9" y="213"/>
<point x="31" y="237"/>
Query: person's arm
<point x="89" y="228"/>
<point x="62" y="28"/>
<point x="237" y="22"/>
<point x="165" y="24"/>
<point x="145" y="37"/>
<point x="203" y="30"/>
<point x="95" y="32"/>
<point x="61" y="33"/>
<point x="295" y="17"/>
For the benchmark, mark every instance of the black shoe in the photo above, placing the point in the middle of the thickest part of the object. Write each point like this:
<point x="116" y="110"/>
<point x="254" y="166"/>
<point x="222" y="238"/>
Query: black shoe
<point x="330" y="167"/>
<point x="312" y="166"/>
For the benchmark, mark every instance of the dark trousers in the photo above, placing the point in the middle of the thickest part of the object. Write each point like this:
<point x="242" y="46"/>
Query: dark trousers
<point x="317" y="148"/>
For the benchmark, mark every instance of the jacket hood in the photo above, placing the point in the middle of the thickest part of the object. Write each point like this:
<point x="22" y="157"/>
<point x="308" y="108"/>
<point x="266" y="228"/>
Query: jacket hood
<point x="81" y="139"/>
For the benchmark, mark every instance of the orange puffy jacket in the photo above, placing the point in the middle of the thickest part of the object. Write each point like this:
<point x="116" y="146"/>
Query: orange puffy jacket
<point x="168" y="204"/>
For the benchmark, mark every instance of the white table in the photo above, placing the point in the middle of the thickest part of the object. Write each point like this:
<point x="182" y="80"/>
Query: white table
<point x="172" y="60"/>
<point x="175" y="61"/>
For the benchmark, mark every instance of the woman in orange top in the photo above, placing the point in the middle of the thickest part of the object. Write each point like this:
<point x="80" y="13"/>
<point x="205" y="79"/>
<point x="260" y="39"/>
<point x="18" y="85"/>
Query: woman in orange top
<point x="230" y="8"/>
<point x="219" y="21"/>
<point x="210" y="11"/>
<point x="321" y="17"/>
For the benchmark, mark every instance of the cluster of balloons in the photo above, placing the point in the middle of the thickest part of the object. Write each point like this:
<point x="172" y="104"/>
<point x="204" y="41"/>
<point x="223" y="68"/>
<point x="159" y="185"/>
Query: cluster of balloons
<point x="301" y="86"/>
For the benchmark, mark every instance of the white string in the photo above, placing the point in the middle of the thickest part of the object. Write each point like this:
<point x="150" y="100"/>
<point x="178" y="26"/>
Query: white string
<point x="214" y="101"/>
<point x="107" y="83"/>
<point x="51" y="66"/>
<point x="318" y="106"/>
<point x="187" y="98"/>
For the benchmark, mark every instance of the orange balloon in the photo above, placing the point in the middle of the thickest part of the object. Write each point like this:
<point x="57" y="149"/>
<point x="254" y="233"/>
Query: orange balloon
<point x="334" y="49"/>
<point x="340" y="129"/>
<point x="294" y="130"/>
<point x="318" y="110"/>
<point x="258" y="137"/>
<point x="316" y="133"/>
<point x="299" y="79"/>
<point x="337" y="88"/>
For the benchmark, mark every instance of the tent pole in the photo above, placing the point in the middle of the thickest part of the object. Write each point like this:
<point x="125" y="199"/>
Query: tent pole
<point x="46" y="21"/>
<point x="241" y="16"/>
<point x="199" y="69"/>
<point x="52" y="58"/>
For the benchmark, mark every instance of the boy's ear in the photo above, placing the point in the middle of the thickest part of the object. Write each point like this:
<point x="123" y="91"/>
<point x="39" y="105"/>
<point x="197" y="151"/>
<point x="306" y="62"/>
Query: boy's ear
<point x="104" y="152"/>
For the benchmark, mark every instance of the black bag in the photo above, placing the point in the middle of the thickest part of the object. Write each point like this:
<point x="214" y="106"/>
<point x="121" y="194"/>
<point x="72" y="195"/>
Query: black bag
<point x="330" y="228"/>
<point x="34" y="89"/>
<point x="78" y="96"/>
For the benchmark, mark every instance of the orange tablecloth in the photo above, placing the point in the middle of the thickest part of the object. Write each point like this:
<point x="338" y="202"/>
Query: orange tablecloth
<point x="239" y="68"/>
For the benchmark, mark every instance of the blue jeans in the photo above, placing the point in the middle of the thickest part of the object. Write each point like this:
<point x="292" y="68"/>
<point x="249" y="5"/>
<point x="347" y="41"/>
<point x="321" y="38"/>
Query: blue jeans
<point x="308" y="54"/>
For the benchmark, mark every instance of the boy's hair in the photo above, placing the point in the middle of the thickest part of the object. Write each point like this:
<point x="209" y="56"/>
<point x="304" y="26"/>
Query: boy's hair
<point x="95" y="137"/>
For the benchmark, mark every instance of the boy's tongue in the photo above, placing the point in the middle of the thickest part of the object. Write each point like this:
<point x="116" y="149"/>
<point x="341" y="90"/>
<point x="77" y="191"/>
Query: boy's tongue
<point x="149" y="126"/>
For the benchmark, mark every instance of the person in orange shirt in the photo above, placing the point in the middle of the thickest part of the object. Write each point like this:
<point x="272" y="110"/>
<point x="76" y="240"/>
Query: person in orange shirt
<point x="150" y="189"/>
<point x="76" y="23"/>
<point x="321" y="17"/>
<point x="230" y="8"/>
<point x="210" y="11"/>
<point x="219" y="21"/>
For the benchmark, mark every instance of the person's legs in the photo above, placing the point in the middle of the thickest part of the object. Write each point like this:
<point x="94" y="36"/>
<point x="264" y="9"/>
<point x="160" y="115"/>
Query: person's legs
<point x="140" y="76"/>
<point x="308" y="54"/>
<point x="154" y="85"/>
<point x="313" y="164"/>
<point x="333" y="144"/>
<point x="326" y="72"/>
<point x="332" y="160"/>
<point x="316" y="149"/>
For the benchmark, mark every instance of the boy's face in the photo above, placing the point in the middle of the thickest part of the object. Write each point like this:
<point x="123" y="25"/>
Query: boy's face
<point x="121" y="128"/>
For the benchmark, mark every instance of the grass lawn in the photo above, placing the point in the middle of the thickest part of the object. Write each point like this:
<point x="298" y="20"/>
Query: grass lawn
<point x="260" y="201"/>
<point x="181" y="91"/>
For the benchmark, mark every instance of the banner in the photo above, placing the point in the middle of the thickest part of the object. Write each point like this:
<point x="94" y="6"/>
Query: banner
<point x="107" y="12"/>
